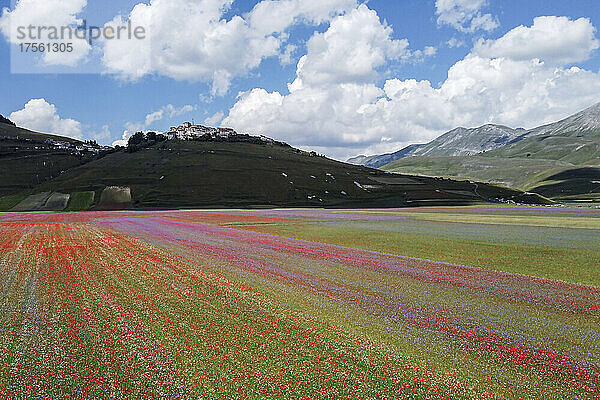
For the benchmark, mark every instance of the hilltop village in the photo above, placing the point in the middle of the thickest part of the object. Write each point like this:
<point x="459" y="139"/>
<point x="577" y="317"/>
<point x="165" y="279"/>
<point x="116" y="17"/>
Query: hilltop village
<point x="187" y="131"/>
<point x="16" y="143"/>
<point x="199" y="133"/>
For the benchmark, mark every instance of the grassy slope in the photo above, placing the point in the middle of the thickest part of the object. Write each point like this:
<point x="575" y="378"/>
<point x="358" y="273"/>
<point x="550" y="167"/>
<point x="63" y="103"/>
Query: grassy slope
<point x="9" y="130"/>
<point x="570" y="147"/>
<point x="24" y="165"/>
<point x="8" y="202"/>
<point x="196" y="174"/>
<point x="543" y="248"/>
<point x="526" y="174"/>
<point x="579" y="183"/>
<point x="515" y="172"/>
<point x="525" y="165"/>
<point x="80" y="201"/>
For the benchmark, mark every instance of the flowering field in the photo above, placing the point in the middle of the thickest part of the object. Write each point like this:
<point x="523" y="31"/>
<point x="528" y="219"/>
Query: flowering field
<point x="229" y="305"/>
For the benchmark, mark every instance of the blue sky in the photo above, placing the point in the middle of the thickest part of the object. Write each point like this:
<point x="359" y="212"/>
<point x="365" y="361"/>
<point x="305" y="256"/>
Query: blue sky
<point x="114" y="103"/>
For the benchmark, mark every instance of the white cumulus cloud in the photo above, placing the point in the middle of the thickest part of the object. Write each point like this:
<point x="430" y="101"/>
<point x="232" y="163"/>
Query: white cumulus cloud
<point x="343" y="113"/>
<point x="351" y="50"/>
<point x="46" y="14"/>
<point x="454" y="43"/>
<point x="40" y="116"/>
<point x="168" y="111"/>
<point x="215" y="119"/>
<point x="465" y="15"/>
<point x="192" y="40"/>
<point x="558" y="40"/>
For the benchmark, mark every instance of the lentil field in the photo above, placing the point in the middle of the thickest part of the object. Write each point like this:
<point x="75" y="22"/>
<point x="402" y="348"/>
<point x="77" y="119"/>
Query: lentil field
<point x="471" y="303"/>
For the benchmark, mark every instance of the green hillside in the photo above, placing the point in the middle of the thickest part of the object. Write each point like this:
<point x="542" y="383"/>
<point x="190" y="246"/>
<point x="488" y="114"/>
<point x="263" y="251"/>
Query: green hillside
<point x="573" y="184"/>
<point x="8" y="130"/>
<point x="28" y="159"/>
<point x="575" y="148"/>
<point x="546" y="164"/>
<point x="47" y="172"/>
<point x="176" y="174"/>
<point x="555" y="179"/>
<point x="512" y="172"/>
<point x="553" y="160"/>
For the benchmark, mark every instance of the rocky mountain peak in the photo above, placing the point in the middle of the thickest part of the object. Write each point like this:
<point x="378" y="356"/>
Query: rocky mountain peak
<point x="584" y="121"/>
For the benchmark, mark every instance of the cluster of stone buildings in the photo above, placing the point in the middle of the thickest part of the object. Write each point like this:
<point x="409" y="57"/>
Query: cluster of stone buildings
<point x="79" y="147"/>
<point x="187" y="131"/>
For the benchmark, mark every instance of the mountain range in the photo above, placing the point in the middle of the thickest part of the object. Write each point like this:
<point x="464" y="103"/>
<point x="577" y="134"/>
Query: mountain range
<point x="457" y="142"/>
<point x="199" y="167"/>
<point x="559" y="160"/>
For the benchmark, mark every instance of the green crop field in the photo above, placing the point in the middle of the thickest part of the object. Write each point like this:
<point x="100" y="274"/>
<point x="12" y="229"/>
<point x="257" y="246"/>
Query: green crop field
<point x="530" y="241"/>
<point x="80" y="201"/>
<point x="8" y="202"/>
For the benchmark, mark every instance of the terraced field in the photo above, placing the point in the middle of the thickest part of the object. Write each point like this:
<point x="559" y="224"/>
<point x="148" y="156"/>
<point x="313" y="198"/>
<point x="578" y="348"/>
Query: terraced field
<point x="301" y="304"/>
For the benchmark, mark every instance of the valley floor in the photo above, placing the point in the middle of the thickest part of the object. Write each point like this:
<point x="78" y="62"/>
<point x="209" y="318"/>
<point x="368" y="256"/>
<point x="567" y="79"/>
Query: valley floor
<point x="475" y="302"/>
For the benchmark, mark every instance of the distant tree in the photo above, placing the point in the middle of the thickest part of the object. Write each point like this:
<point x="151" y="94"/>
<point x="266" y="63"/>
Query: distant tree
<point x="136" y="139"/>
<point x="151" y="136"/>
<point x="141" y="140"/>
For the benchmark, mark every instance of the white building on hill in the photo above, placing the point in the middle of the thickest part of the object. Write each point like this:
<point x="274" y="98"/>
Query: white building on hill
<point x="187" y="131"/>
